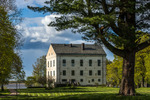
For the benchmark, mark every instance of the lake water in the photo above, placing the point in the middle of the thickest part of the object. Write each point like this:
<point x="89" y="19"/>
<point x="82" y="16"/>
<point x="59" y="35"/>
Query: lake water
<point x="13" y="86"/>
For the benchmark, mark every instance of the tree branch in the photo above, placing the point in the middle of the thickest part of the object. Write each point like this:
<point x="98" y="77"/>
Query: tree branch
<point x="107" y="44"/>
<point x="143" y="45"/>
<point x="105" y="7"/>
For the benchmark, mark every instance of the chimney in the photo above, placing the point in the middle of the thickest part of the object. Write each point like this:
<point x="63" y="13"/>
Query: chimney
<point x="70" y="45"/>
<point x="82" y="46"/>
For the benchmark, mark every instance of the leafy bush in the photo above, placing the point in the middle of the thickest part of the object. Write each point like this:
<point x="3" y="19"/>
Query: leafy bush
<point x="30" y="81"/>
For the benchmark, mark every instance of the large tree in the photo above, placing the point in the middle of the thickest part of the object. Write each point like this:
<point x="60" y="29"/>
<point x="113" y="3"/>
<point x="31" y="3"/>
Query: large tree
<point x="115" y="23"/>
<point x="9" y="39"/>
<point x="13" y="12"/>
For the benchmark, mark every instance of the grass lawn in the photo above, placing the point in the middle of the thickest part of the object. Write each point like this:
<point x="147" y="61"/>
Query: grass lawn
<point x="4" y="93"/>
<point x="80" y="93"/>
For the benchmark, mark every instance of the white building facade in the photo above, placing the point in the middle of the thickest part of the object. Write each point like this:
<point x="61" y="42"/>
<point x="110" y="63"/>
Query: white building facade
<point x="81" y="63"/>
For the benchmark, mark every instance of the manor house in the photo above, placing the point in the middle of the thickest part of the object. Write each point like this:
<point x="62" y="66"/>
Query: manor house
<point x="83" y="63"/>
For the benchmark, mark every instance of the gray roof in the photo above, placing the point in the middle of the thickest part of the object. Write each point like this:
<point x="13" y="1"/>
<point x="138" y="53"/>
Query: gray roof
<point x="70" y="49"/>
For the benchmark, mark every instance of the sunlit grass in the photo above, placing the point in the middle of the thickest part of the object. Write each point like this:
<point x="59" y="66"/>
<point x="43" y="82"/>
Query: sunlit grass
<point x="4" y="93"/>
<point x="80" y="93"/>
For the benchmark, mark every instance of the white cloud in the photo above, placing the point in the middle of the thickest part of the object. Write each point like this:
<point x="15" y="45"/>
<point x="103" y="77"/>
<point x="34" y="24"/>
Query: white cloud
<point x="38" y="31"/>
<point x="24" y="3"/>
<point x="80" y="41"/>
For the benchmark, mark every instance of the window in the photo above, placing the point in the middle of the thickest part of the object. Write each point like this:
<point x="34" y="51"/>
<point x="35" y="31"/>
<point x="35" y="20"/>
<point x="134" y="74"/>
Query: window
<point x="81" y="72"/>
<point x="99" y="62"/>
<point x="53" y="63"/>
<point x="64" y="72"/>
<point x="99" y="72"/>
<point x="72" y="62"/>
<point x="90" y="72"/>
<point x="81" y="62"/>
<point x="50" y="63"/>
<point x="92" y="80"/>
<point x="72" y="72"/>
<point x="64" y="80"/>
<point x="53" y="73"/>
<point x="81" y="80"/>
<point x="64" y="62"/>
<point x="99" y="80"/>
<point x="90" y="62"/>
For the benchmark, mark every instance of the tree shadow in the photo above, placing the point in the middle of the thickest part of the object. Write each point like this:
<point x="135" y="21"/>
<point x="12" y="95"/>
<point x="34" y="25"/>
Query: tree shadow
<point x="65" y="90"/>
<point x="89" y="96"/>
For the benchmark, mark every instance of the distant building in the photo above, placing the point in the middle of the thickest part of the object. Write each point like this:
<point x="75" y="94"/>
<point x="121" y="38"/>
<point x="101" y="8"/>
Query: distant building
<point x="81" y="63"/>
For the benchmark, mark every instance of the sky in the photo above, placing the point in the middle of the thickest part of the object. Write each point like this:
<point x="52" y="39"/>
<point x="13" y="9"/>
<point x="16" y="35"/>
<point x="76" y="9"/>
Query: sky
<point x="38" y="36"/>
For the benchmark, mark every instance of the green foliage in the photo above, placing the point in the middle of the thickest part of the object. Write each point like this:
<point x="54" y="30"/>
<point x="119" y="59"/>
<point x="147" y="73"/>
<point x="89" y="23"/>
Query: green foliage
<point x="30" y="81"/>
<point x="142" y="69"/>
<point x="39" y="70"/>
<point x="42" y="80"/>
<point x="114" y="71"/>
<point x="8" y="43"/>
<point x="108" y="61"/>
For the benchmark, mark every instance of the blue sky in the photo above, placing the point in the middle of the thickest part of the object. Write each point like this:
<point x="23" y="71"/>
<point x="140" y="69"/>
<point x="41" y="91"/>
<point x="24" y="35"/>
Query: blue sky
<point x="38" y="36"/>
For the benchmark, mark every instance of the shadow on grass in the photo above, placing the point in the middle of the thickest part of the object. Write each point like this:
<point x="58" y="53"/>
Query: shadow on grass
<point x="4" y="93"/>
<point x="60" y="90"/>
<point x="94" y="96"/>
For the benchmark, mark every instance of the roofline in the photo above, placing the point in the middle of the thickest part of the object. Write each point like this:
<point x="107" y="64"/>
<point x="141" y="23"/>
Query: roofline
<point x="77" y="54"/>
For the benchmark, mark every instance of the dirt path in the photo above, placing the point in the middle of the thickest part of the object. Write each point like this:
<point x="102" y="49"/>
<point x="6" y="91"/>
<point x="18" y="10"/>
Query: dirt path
<point x="13" y="92"/>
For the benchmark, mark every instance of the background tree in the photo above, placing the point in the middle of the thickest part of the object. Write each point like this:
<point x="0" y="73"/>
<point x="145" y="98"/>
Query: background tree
<point x="7" y="40"/>
<point x="114" y="71"/>
<point x="39" y="70"/>
<point x="13" y="12"/>
<point x="142" y="71"/>
<point x="42" y="80"/>
<point x="30" y="81"/>
<point x="108" y="61"/>
<point x="115" y="23"/>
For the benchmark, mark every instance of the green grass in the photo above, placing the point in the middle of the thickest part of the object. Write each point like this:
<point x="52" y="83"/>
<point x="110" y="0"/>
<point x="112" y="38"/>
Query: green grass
<point x="4" y="93"/>
<point x="80" y="93"/>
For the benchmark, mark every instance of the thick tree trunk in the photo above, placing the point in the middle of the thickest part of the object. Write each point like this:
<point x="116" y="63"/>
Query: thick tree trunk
<point x="127" y="82"/>
<point x="2" y="87"/>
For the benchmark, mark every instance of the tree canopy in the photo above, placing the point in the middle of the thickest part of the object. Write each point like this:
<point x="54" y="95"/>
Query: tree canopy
<point x="10" y="60"/>
<point x="39" y="70"/>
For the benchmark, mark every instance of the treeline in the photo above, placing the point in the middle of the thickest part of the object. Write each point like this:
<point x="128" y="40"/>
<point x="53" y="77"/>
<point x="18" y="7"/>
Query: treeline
<point x="142" y="69"/>
<point x="10" y="42"/>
